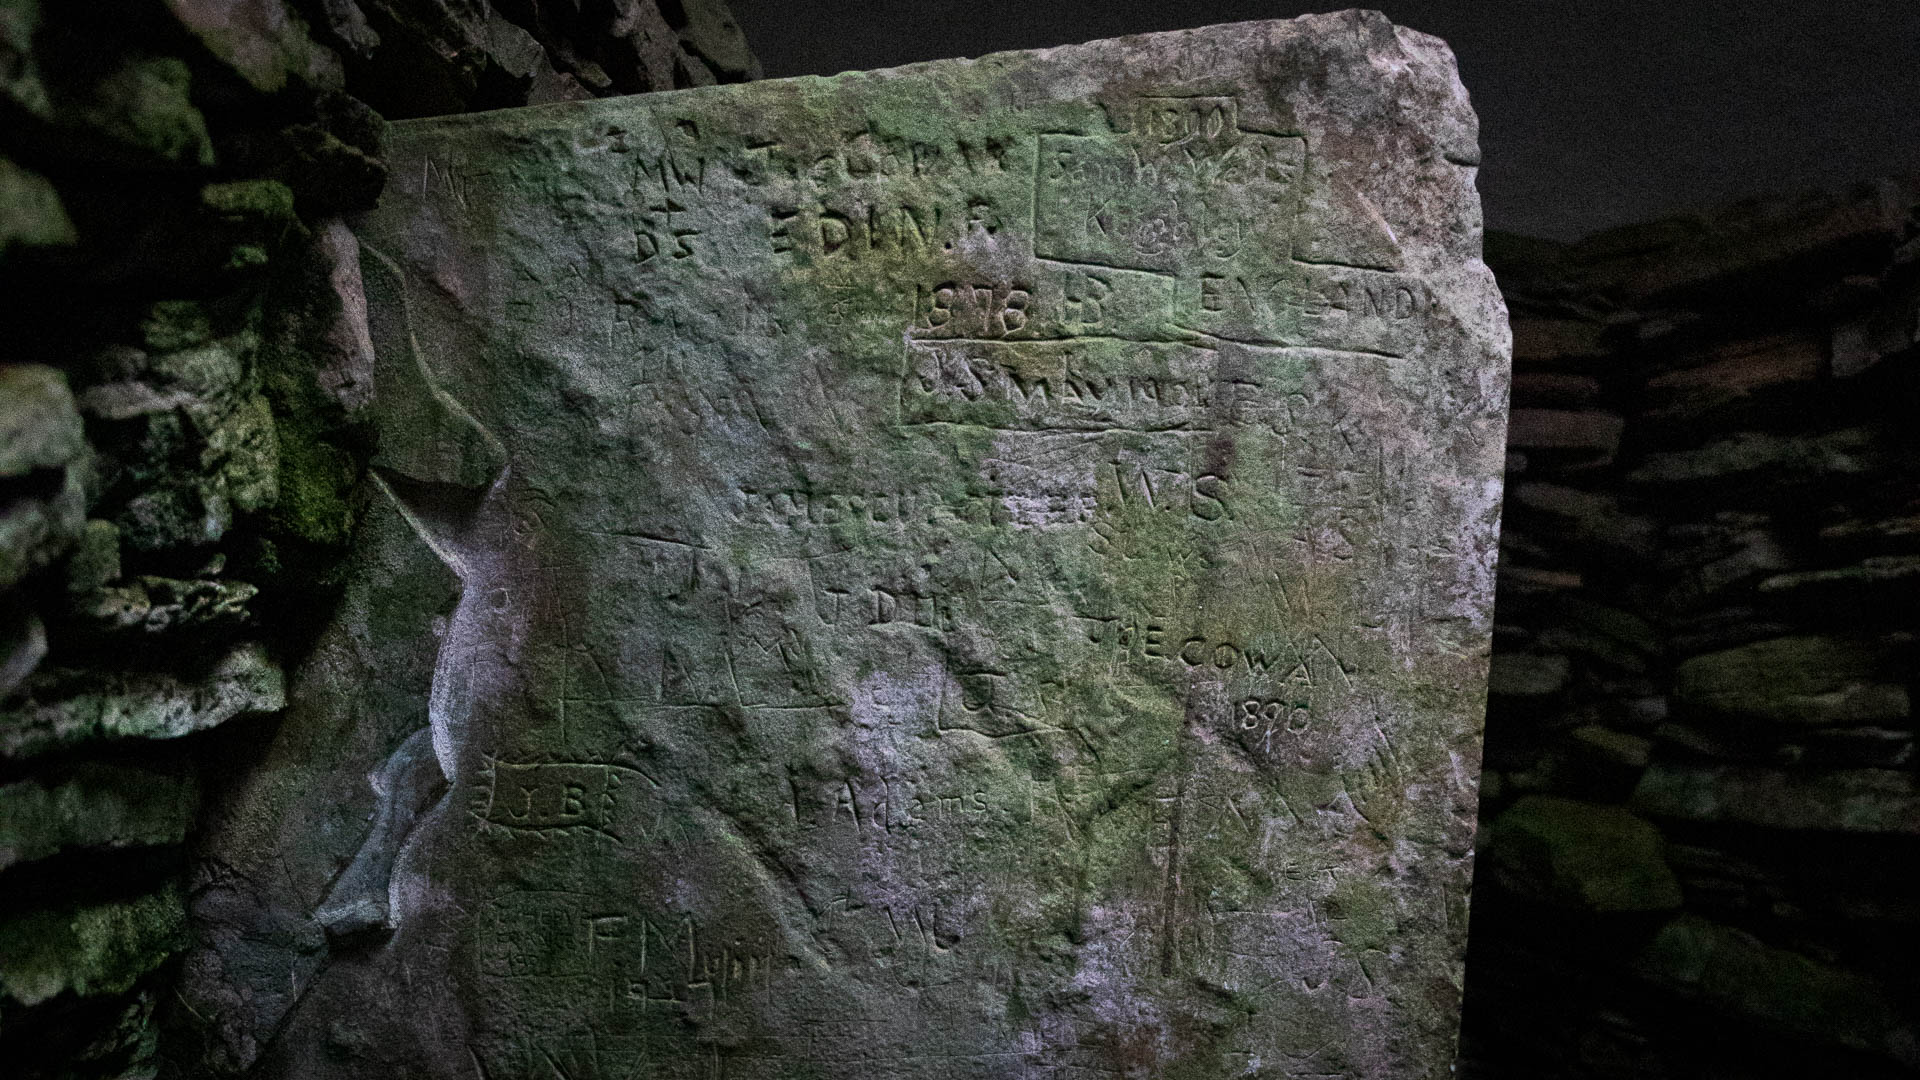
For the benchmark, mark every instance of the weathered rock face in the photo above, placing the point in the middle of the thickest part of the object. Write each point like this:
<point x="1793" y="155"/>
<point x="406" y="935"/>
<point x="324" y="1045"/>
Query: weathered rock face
<point x="981" y="569"/>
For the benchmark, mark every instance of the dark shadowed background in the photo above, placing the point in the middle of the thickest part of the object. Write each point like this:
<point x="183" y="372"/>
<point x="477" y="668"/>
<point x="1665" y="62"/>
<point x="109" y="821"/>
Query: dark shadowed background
<point x="1592" y="112"/>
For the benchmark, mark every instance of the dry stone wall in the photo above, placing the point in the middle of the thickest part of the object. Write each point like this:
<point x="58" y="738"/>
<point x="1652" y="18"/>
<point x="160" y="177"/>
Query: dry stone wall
<point x="182" y="428"/>
<point x="1701" y="804"/>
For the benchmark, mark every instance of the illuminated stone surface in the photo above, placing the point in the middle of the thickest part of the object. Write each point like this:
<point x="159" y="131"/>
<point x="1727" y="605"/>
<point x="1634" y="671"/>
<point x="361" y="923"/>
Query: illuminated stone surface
<point x="976" y="570"/>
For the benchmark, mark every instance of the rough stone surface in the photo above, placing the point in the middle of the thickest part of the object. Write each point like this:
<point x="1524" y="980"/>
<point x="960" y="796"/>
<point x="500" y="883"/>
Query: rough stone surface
<point x="1598" y="858"/>
<point x="61" y="708"/>
<point x="43" y="454"/>
<point x="95" y="950"/>
<point x="94" y="805"/>
<point x="1739" y="974"/>
<point x="978" y="569"/>
<point x="426" y="57"/>
<point x="1527" y="675"/>
<point x="30" y="211"/>
<point x="1851" y="800"/>
<point x="1795" y="680"/>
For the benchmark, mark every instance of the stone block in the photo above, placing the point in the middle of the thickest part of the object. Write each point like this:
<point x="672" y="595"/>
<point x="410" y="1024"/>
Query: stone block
<point x="91" y="950"/>
<point x="1844" y="800"/>
<point x="61" y="708"/>
<point x="1581" y="855"/>
<point x="1543" y="342"/>
<point x="1616" y="748"/>
<point x="1743" y="383"/>
<point x="263" y="43"/>
<point x="1805" y="680"/>
<point x="1781" y="990"/>
<point x="43" y="455"/>
<point x="1757" y="467"/>
<point x="1760" y="249"/>
<point x="39" y="428"/>
<point x="94" y="805"/>
<point x="1879" y="588"/>
<point x="1554" y="390"/>
<point x="31" y="215"/>
<point x="1528" y="675"/>
<point x="979" y="567"/>
<point x="1708" y="560"/>
<point x="1591" y="521"/>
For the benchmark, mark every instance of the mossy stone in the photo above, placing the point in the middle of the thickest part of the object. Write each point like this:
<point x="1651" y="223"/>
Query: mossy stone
<point x="89" y="951"/>
<point x="983" y="567"/>
<point x="1584" y="856"/>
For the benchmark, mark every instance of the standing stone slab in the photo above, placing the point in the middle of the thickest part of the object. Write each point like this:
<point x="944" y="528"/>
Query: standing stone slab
<point x="975" y="570"/>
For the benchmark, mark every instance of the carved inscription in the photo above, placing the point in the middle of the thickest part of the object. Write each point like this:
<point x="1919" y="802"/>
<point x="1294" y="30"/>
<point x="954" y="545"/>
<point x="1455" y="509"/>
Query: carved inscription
<point x="1082" y="385"/>
<point x="1168" y="202"/>
<point x="557" y="798"/>
<point x="979" y="570"/>
<point x="630" y="960"/>
<point x="868" y="230"/>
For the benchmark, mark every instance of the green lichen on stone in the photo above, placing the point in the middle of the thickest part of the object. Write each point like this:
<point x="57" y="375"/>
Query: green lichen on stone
<point x="210" y="372"/>
<point x="319" y="461"/>
<point x="197" y="443"/>
<point x="260" y="202"/>
<point x="172" y="325"/>
<point x="1736" y="973"/>
<point x="145" y="106"/>
<point x="1802" y="680"/>
<point x="966" y="567"/>
<point x="247" y="452"/>
<point x="95" y="561"/>
<point x="63" y="709"/>
<point x="39" y="428"/>
<point x="315" y="480"/>
<point x="258" y="216"/>
<point x="1362" y="915"/>
<point x="93" y="950"/>
<point x="94" y="805"/>
<point x="1584" y="856"/>
<point x="246" y="257"/>
<point x="31" y="214"/>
